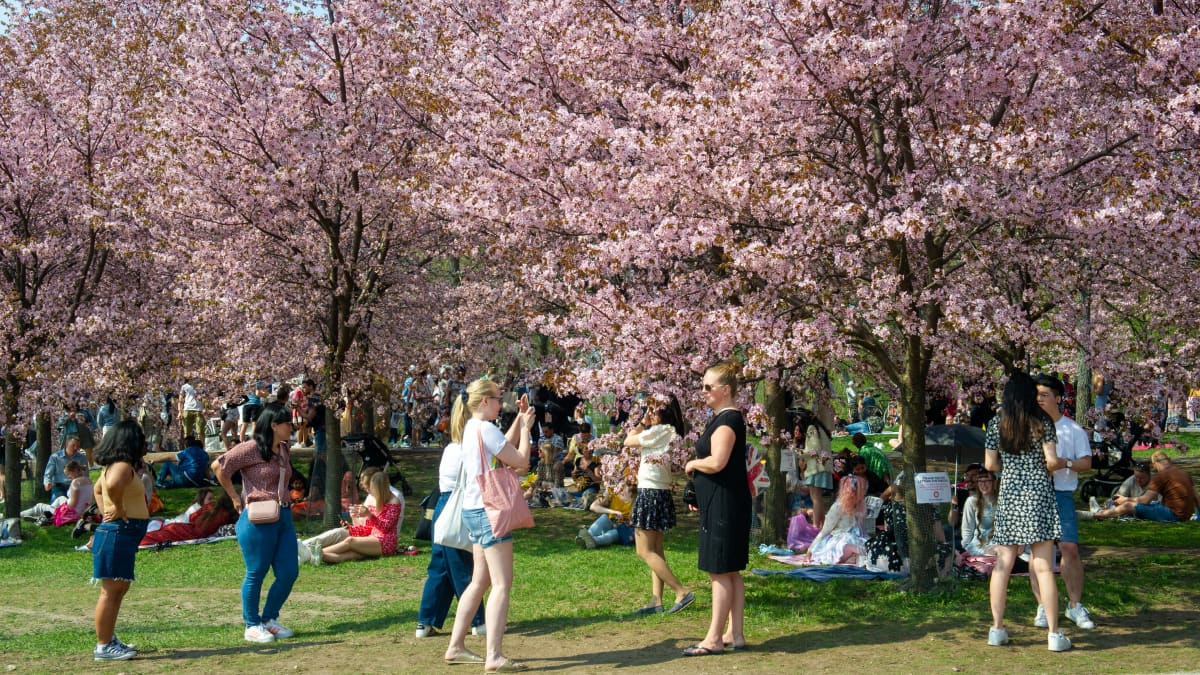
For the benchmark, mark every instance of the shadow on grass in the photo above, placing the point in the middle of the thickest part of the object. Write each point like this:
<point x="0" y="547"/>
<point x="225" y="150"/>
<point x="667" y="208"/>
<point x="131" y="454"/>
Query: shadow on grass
<point x="648" y="655"/>
<point x="247" y="648"/>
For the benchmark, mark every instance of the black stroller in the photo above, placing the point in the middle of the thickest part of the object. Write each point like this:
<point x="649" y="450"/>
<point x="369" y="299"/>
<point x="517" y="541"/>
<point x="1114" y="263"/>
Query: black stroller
<point x="1113" y="464"/>
<point x="363" y="450"/>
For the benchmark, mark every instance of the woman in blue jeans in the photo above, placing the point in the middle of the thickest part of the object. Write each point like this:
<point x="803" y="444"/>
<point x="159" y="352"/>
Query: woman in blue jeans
<point x="266" y="468"/>
<point x="449" y="570"/>
<point x="483" y="442"/>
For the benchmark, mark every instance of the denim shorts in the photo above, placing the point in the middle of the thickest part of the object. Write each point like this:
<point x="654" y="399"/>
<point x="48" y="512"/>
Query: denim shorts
<point x="1066" y="516"/>
<point x="1156" y="512"/>
<point x="479" y="529"/>
<point x="114" y="547"/>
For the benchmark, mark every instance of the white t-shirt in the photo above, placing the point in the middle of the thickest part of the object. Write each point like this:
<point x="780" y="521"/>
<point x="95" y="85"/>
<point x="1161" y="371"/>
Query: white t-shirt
<point x="654" y="470"/>
<point x="448" y="469"/>
<point x="493" y="443"/>
<point x="188" y="393"/>
<point x="1072" y="444"/>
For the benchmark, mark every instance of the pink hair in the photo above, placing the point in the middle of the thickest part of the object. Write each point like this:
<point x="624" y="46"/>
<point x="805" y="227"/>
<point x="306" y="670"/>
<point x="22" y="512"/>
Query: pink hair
<point x="852" y="495"/>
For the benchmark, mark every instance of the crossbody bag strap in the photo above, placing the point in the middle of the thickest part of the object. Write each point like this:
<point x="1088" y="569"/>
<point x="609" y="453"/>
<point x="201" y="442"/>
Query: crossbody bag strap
<point x="282" y="481"/>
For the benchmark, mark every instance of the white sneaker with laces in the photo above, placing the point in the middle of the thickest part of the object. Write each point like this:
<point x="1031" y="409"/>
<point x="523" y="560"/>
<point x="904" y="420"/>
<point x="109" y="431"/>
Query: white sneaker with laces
<point x="1081" y="617"/>
<point x="997" y="637"/>
<point x="258" y="633"/>
<point x="1057" y="642"/>
<point x="113" y="652"/>
<point x="277" y="630"/>
<point x="481" y="629"/>
<point x="1040" y="620"/>
<point x="117" y="641"/>
<point x="425" y="631"/>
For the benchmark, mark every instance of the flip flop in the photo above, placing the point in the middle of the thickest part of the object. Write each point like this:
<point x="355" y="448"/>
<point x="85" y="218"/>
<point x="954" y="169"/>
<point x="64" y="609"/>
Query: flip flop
<point x="736" y="648"/>
<point x="464" y="658"/>
<point x="509" y="666"/>
<point x="698" y="650"/>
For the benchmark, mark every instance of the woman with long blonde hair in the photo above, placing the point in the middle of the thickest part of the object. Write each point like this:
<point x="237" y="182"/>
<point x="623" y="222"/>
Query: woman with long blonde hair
<point x="841" y="537"/>
<point x="375" y="535"/>
<point x="449" y="570"/>
<point x="484" y="443"/>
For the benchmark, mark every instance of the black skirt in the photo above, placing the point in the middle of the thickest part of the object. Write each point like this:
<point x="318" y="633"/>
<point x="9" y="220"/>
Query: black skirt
<point x="653" y="510"/>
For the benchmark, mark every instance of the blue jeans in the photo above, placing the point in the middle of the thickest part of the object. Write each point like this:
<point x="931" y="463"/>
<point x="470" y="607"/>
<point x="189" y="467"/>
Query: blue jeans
<point x="1156" y="512"/>
<point x="606" y="533"/>
<point x="271" y="546"/>
<point x="449" y="573"/>
<point x="172" y="476"/>
<point x="858" y="428"/>
<point x="59" y="490"/>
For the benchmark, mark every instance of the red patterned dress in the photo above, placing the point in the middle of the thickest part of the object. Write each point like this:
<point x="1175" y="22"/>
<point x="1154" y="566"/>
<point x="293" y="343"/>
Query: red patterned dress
<point x="381" y="524"/>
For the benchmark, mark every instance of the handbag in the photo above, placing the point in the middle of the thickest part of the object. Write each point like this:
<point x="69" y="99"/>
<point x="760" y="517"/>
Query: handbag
<point x="266" y="512"/>
<point x="689" y="494"/>
<point x="503" y="499"/>
<point x="425" y="526"/>
<point x="449" y="529"/>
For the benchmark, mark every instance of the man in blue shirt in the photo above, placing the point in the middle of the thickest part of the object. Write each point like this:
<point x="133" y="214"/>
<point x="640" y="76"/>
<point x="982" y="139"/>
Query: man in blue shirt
<point x="55" y="478"/>
<point x="191" y="469"/>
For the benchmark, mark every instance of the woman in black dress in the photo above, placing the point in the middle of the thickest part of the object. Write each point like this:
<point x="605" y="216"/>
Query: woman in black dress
<point x="719" y="472"/>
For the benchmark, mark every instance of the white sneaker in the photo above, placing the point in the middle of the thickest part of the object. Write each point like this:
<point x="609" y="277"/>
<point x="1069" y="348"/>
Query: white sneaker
<point x="302" y="553"/>
<point x="425" y="631"/>
<point x="258" y="633"/>
<point x="1057" y="642"/>
<point x="277" y="630"/>
<point x="997" y="637"/>
<point x="481" y="629"/>
<point x="1040" y="620"/>
<point x="1093" y="505"/>
<point x="1081" y="617"/>
<point x="314" y="553"/>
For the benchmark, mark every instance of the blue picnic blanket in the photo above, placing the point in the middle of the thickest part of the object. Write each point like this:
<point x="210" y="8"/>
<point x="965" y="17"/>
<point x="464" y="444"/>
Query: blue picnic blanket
<point x="828" y="572"/>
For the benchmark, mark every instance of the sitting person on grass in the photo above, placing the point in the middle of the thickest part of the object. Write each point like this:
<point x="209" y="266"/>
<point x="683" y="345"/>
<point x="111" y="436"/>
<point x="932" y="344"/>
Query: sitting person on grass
<point x="549" y="475"/>
<point x="586" y="481"/>
<point x="374" y="533"/>
<point x="189" y="470"/>
<point x="613" y="524"/>
<point x="309" y="550"/>
<point x="66" y="509"/>
<point x="840" y="539"/>
<point x="1172" y="484"/>
<point x="886" y="550"/>
<point x="201" y="524"/>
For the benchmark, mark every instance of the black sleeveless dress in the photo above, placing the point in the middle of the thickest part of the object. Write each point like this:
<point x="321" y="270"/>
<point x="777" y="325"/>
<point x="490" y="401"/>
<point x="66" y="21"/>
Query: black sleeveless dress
<point x="724" y="501"/>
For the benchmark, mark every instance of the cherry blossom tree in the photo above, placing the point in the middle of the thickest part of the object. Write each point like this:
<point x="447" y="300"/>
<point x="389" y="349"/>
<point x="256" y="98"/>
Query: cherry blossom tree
<point x="816" y="181"/>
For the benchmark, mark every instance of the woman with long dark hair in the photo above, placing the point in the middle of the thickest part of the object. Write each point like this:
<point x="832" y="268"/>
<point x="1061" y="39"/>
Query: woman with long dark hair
<point x="654" y="507"/>
<point x="264" y="545"/>
<point x="121" y="501"/>
<point x="1020" y="445"/>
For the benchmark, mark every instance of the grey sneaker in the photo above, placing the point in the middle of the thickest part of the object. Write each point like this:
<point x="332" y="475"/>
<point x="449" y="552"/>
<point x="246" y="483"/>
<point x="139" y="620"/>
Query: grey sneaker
<point x="585" y="539"/>
<point x="113" y="652"/>
<point x="1040" y="620"/>
<point x="122" y="645"/>
<point x="997" y="637"/>
<point x="1081" y="617"/>
<point x="1057" y="642"/>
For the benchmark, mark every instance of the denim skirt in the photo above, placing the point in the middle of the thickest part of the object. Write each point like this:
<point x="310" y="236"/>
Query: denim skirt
<point x="114" y="547"/>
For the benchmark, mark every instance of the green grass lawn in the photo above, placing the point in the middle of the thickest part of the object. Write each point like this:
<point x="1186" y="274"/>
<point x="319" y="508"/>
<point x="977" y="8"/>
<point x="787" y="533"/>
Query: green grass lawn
<point x="185" y="605"/>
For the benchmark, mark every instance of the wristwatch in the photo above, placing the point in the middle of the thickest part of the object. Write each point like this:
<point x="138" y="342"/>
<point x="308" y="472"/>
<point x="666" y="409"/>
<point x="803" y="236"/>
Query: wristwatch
<point x="1069" y="463"/>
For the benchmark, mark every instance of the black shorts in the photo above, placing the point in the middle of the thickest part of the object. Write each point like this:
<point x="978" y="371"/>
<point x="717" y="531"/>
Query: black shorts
<point x="250" y="412"/>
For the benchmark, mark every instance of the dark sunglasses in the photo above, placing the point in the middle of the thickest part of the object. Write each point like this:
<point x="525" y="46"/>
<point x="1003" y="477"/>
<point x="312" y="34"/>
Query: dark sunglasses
<point x="710" y="387"/>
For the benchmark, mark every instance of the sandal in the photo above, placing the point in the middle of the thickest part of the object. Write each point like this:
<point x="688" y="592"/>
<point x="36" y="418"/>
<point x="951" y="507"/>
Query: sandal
<point x="465" y="658"/>
<point x="700" y="650"/>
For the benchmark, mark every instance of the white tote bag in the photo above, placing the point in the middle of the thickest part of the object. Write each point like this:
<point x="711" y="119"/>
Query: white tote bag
<point x="449" y="529"/>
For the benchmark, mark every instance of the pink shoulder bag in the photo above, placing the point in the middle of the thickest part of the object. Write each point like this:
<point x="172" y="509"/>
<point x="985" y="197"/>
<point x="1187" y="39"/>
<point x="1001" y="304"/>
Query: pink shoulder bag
<point x="266" y="512"/>
<point x="503" y="499"/>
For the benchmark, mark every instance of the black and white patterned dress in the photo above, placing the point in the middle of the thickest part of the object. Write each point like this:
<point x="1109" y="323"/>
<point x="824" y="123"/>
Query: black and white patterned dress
<point x="1026" y="510"/>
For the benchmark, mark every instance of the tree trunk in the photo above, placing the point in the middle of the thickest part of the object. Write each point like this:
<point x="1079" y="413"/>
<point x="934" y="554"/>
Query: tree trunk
<point x="12" y="456"/>
<point x="920" y="518"/>
<point x="334" y="463"/>
<point x="44" y="439"/>
<point x="775" y="515"/>
<point x="1083" y="374"/>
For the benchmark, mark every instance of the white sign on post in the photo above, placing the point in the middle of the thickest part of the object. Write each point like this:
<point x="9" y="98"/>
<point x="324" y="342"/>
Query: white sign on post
<point x="933" y="487"/>
<point x="787" y="460"/>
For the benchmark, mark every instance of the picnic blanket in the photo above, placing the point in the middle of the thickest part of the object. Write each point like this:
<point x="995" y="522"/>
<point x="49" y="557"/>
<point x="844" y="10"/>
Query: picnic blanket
<point x="829" y="572"/>
<point x="172" y="544"/>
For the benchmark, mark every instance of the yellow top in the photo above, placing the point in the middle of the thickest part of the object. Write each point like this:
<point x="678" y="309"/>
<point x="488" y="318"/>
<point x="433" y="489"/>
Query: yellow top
<point x="133" y="497"/>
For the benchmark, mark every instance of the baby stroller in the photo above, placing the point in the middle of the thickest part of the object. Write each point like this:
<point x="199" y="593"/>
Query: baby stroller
<point x="363" y="450"/>
<point x="1113" y="465"/>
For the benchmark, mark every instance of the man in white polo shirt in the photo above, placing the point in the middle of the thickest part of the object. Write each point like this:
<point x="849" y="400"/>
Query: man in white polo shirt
<point x="1074" y="455"/>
